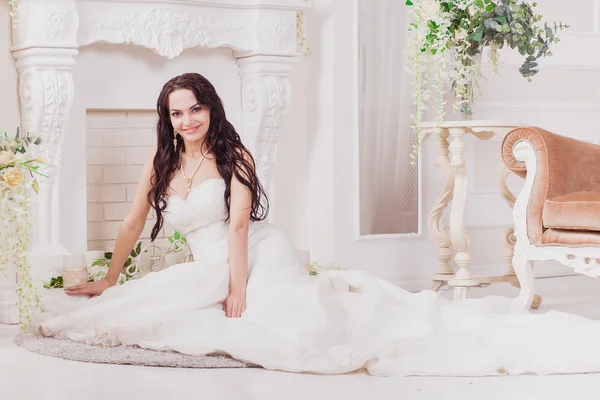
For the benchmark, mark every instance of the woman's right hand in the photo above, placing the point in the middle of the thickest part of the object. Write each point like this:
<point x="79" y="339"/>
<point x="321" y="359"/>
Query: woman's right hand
<point x="94" y="289"/>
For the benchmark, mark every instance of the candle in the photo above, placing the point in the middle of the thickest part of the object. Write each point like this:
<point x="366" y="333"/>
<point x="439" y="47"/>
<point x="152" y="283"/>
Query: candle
<point x="74" y="270"/>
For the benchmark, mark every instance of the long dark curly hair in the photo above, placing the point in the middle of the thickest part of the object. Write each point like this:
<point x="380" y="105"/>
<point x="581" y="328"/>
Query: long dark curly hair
<point x="222" y="140"/>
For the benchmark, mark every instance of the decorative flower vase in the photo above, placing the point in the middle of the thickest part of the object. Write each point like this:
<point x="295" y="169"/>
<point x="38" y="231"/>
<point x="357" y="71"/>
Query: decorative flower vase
<point x="74" y="271"/>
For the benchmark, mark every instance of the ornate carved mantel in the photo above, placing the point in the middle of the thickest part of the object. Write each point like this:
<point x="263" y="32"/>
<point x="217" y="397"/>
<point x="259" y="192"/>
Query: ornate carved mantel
<point x="262" y="34"/>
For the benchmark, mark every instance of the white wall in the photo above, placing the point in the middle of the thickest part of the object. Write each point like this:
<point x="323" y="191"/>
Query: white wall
<point x="321" y="156"/>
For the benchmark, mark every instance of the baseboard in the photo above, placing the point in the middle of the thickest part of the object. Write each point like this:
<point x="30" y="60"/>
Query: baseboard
<point x="542" y="269"/>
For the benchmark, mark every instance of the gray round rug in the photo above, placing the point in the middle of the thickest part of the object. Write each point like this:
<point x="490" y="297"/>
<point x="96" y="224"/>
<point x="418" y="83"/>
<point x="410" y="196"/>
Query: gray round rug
<point x="75" y="351"/>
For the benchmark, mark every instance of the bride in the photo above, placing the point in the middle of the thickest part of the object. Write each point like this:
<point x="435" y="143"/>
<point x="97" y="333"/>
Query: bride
<point x="246" y="293"/>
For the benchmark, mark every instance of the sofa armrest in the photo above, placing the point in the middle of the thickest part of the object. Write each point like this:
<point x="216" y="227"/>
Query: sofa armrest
<point x="564" y="165"/>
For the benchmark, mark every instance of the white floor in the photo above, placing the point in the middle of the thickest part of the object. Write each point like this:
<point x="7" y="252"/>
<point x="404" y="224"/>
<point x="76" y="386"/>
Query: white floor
<point x="25" y="376"/>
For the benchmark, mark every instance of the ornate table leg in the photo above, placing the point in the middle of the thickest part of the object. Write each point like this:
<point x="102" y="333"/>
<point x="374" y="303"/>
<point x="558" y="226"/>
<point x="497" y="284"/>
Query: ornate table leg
<point x="441" y="234"/>
<point x="509" y="235"/>
<point x="460" y="239"/>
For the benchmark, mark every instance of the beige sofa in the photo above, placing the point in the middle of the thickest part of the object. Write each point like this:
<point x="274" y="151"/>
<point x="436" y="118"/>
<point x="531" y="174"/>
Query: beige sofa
<point x="557" y="214"/>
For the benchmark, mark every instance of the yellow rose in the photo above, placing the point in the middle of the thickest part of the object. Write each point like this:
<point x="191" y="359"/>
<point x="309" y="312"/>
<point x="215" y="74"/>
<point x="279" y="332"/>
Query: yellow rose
<point x="12" y="177"/>
<point x="6" y="157"/>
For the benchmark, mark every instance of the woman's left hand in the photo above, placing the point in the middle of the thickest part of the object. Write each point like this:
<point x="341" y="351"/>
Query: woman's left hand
<point x="234" y="305"/>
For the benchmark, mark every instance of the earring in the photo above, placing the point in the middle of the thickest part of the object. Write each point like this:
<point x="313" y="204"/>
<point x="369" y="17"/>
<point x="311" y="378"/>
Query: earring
<point x="175" y="140"/>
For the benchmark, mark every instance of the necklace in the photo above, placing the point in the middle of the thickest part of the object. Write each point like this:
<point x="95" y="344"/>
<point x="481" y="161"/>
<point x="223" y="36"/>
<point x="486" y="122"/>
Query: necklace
<point x="190" y="179"/>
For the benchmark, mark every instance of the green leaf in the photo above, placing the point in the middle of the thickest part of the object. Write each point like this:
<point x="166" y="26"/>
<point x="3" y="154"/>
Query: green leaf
<point x="479" y="3"/>
<point x="55" y="283"/>
<point x="177" y="235"/>
<point x="433" y="25"/>
<point x="108" y="255"/>
<point x="409" y="3"/>
<point x="138" y="249"/>
<point x="127" y="263"/>
<point x="133" y="253"/>
<point x="171" y="240"/>
<point x="490" y="7"/>
<point x="478" y="36"/>
<point x="98" y="262"/>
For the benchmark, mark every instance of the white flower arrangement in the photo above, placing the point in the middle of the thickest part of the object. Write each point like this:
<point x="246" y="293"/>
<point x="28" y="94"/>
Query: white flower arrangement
<point x="448" y="41"/>
<point x="136" y="266"/>
<point x="18" y="171"/>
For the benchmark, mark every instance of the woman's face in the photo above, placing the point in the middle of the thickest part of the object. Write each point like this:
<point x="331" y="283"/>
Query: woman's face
<point x="188" y="117"/>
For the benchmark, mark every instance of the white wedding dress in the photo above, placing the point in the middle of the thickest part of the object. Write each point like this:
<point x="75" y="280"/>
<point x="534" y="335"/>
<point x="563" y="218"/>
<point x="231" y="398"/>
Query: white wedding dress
<point x="336" y="322"/>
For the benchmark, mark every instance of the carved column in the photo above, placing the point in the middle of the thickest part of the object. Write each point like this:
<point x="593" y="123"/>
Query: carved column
<point x="44" y="45"/>
<point x="266" y="98"/>
<point x="46" y="93"/>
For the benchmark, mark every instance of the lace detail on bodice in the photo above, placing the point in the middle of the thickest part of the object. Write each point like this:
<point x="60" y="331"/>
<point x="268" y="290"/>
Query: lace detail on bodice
<point x="201" y="217"/>
<point x="203" y="206"/>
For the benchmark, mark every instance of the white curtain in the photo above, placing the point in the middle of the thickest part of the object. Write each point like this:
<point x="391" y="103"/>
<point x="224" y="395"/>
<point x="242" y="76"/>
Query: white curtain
<point x="388" y="183"/>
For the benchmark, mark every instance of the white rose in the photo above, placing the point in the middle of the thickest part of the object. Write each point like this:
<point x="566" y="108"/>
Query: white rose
<point x="431" y="9"/>
<point x="460" y="35"/>
<point x="13" y="177"/>
<point x="6" y="157"/>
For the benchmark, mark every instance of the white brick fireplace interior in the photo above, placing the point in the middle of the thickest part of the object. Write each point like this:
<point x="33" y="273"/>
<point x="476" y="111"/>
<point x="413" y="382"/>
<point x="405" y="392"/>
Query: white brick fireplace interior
<point x="89" y="76"/>
<point x="117" y="146"/>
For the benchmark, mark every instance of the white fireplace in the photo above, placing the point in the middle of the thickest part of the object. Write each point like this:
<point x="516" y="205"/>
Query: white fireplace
<point x="78" y="58"/>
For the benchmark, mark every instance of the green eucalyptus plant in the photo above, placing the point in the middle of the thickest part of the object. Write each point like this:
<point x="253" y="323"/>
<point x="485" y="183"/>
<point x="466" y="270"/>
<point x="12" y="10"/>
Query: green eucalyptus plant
<point x="448" y="42"/>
